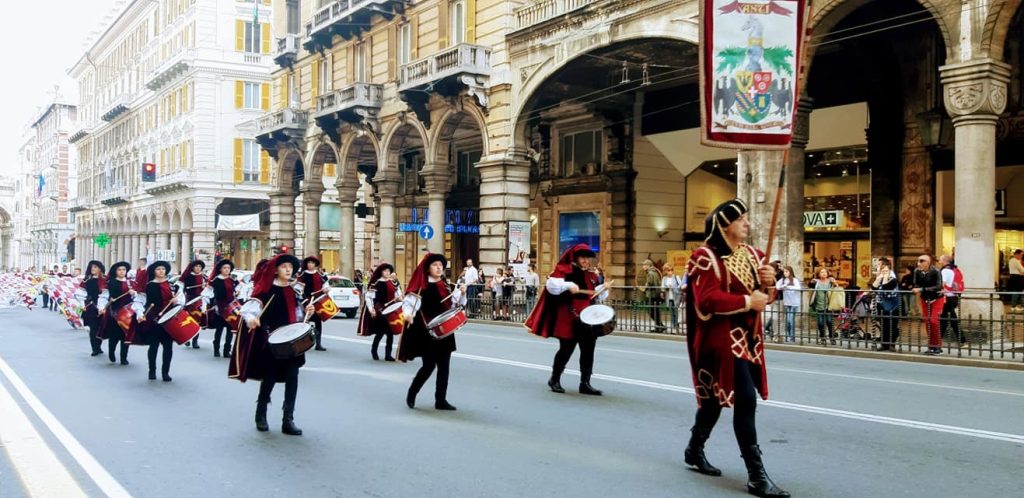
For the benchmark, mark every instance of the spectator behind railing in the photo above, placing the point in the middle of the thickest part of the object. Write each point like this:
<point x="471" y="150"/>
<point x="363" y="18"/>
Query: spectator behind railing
<point x="790" y="287"/>
<point x="652" y="293"/>
<point x="823" y="304"/>
<point x="888" y="300"/>
<point x="531" y="283"/>
<point x="672" y="287"/>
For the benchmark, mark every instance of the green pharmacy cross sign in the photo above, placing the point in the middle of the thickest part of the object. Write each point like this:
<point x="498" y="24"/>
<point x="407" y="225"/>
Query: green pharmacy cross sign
<point x="102" y="240"/>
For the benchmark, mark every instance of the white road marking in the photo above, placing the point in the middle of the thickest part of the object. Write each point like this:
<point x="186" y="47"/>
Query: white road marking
<point x="104" y="481"/>
<point x="41" y="472"/>
<point x="866" y="417"/>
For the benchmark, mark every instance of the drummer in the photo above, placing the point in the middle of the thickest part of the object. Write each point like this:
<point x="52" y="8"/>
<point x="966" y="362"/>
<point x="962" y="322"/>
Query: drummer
<point x="428" y="296"/>
<point x="158" y="299"/>
<point x="121" y="295"/>
<point x="384" y="289"/>
<point x="93" y="284"/>
<point x="568" y="291"/>
<point x="274" y="303"/>
<point x="313" y="280"/>
<point x="194" y="281"/>
<point x="222" y="292"/>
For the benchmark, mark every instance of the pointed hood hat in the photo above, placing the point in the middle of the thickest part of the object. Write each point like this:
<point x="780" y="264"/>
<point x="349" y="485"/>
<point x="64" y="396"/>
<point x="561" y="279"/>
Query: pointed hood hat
<point x="263" y="278"/>
<point x="419" y="279"/>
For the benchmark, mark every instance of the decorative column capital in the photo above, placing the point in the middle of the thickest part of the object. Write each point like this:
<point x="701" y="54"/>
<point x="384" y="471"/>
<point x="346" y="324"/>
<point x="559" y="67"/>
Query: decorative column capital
<point x="387" y="182"/>
<point x="312" y="194"/>
<point x="975" y="88"/>
<point x="348" y="192"/>
<point x="436" y="178"/>
<point x="802" y="123"/>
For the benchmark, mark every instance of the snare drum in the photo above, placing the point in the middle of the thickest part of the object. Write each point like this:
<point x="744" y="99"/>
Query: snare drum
<point x="446" y="323"/>
<point x="324" y="307"/>
<point x="179" y="324"/>
<point x="231" y="313"/>
<point x="291" y="340"/>
<point x="599" y="318"/>
<point x="396" y="320"/>
<point x="195" y="308"/>
<point x="124" y="317"/>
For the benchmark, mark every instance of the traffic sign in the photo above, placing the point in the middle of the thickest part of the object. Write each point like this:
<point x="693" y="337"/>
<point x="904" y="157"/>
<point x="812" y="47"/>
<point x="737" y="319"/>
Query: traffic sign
<point x="427" y="232"/>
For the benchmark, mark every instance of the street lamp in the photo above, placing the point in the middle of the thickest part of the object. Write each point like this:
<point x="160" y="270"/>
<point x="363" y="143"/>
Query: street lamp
<point x="935" y="128"/>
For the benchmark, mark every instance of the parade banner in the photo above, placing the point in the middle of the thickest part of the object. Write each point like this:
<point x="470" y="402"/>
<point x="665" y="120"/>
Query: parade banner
<point x="519" y="246"/>
<point x="750" y="67"/>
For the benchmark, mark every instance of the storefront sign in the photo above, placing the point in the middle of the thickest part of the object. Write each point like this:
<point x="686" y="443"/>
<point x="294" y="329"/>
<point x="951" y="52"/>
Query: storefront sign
<point x="458" y="221"/>
<point x="749" y="63"/>
<point x="824" y="219"/>
<point x="416" y="227"/>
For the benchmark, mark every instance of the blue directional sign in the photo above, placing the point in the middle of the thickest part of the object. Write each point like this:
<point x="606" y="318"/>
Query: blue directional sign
<point x="427" y="232"/>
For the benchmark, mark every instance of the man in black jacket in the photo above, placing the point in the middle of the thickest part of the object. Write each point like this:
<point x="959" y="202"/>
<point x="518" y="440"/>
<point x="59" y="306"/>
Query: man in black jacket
<point x="928" y="287"/>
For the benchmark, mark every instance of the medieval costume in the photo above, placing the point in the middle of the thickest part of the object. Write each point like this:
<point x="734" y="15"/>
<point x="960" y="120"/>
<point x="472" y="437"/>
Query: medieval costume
<point x="275" y="304"/>
<point x="426" y="297"/>
<point x="193" y="282"/>
<point x="381" y="293"/>
<point x="726" y="343"/>
<point x="313" y="282"/>
<point x="222" y="292"/>
<point x="93" y="286"/>
<point x="158" y="298"/>
<point x="120" y="297"/>
<point x="557" y="314"/>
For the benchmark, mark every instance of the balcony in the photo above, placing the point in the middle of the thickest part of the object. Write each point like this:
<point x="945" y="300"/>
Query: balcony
<point x="357" y="104"/>
<point x="115" y="196"/>
<point x="544" y="10"/>
<point x="120" y="105"/>
<point x="447" y="73"/>
<point x="171" y="69"/>
<point x="80" y="132"/>
<point x="347" y="19"/>
<point x="287" y="51"/>
<point x="170" y="182"/>
<point x="285" y="126"/>
<point x="79" y="204"/>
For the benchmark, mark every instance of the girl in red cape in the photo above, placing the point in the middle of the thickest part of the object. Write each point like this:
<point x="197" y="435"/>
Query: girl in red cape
<point x="557" y="314"/>
<point x="95" y="283"/>
<point x="193" y="280"/>
<point x="382" y="290"/>
<point x="427" y="297"/>
<point x="725" y="339"/>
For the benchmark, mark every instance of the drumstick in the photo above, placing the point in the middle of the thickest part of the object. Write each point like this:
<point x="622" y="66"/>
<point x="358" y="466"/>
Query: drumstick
<point x="594" y="294"/>
<point x="165" y="307"/>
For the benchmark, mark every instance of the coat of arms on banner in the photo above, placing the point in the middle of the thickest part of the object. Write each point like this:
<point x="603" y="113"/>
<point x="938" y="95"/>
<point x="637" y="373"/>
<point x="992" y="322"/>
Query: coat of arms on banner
<point x="750" y="65"/>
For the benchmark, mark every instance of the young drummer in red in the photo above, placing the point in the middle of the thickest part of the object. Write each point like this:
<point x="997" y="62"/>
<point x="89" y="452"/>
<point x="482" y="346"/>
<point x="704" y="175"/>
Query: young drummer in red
<point x="274" y="303"/>
<point x="313" y="281"/>
<point x="158" y="299"/>
<point x="194" y="281"/>
<point x="384" y="289"/>
<point x="94" y="284"/>
<point x="427" y="297"/>
<point x="222" y="292"/>
<point x="121" y="295"/>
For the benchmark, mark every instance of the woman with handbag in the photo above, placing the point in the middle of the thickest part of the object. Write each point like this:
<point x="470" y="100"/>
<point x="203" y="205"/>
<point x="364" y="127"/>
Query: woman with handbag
<point x="888" y="303"/>
<point x="822" y="303"/>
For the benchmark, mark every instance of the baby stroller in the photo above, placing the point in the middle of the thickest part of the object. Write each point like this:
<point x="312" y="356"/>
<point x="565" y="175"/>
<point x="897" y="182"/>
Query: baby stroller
<point x="850" y="323"/>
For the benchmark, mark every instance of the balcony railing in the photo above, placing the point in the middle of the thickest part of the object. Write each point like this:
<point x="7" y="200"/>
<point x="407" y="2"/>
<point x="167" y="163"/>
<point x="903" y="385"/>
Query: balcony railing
<point x="284" y="119"/>
<point x="544" y="10"/>
<point x="287" y="50"/>
<point x="364" y="95"/>
<point x="460" y="59"/>
<point x="170" y="182"/>
<point x="115" y="196"/>
<point x="79" y="204"/>
<point x="346" y="18"/>
<point x="80" y="132"/>
<point x="120" y="105"/>
<point x="173" y="67"/>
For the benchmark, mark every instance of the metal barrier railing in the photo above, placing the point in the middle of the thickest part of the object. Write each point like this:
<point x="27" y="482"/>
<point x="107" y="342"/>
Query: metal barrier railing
<point x="979" y="325"/>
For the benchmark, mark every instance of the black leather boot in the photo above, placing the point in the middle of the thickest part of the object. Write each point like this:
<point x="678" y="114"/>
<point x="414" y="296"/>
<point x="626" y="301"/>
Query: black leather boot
<point x="152" y="373"/>
<point x="166" y="373"/>
<point x="555" y="382"/>
<point x="758" y="482"/>
<point x="586" y="388"/>
<point x="694" y="454"/>
<point x="261" y="416"/>
<point x="288" y="422"/>
<point x="124" y="354"/>
<point x="444" y="405"/>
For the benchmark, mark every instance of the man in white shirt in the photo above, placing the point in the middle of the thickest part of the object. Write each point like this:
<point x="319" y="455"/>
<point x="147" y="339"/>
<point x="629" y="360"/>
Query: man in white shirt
<point x="951" y="289"/>
<point x="1016" y="283"/>
<point x="472" y="281"/>
<point x="532" y="282"/>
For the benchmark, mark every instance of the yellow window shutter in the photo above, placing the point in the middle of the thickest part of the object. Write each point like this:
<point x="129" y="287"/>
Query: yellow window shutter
<point x="470" y="21"/>
<point x="265" y="37"/>
<point x="265" y="96"/>
<point x="351" y="66"/>
<point x="414" y="45"/>
<point x="239" y="35"/>
<point x="238" y="161"/>
<point x="444" y="22"/>
<point x="314" y="82"/>
<point x="184" y="155"/>
<point x="264" y="167"/>
<point x="284" y="91"/>
<point x="266" y="2"/>
<point x="392" y="51"/>
<point x="163" y="159"/>
<point x="329" y="169"/>
<point x="184" y="99"/>
<point x="239" y="94"/>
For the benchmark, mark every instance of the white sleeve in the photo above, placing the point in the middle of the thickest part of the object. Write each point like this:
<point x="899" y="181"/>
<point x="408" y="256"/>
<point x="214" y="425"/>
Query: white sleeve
<point x="370" y="296"/>
<point x="251" y="309"/>
<point x="139" y="303"/>
<point x="410" y="306"/>
<point x="602" y="293"/>
<point x="557" y="286"/>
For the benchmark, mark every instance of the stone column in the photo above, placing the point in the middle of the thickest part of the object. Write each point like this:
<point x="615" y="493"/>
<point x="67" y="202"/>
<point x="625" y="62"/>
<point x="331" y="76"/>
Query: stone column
<point x="791" y="252"/>
<point x="186" y="248"/>
<point x="757" y="184"/>
<point x="133" y="249"/>
<point x="347" y="192"/>
<point x="312" y="195"/>
<point x="975" y="95"/>
<point x="282" y="219"/>
<point x="504" y="197"/>
<point x="437" y="183"/>
<point x="387" y="189"/>
<point x="175" y="245"/>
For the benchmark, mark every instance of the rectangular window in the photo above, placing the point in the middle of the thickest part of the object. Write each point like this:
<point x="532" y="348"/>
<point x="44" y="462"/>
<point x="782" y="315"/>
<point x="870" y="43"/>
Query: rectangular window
<point x="468" y="175"/>
<point x="581" y="153"/>
<point x="252" y="43"/>
<point x="294" y="17"/>
<point x="361" y="63"/>
<point x="251" y="95"/>
<point x="457" y="12"/>
<point x="250" y="160"/>
<point x="293" y="92"/>
<point x="325" y="76"/>
<point x="404" y="43"/>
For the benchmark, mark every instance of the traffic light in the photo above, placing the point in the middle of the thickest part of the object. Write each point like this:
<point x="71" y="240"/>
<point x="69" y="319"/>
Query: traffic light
<point x="281" y="249"/>
<point x="148" y="172"/>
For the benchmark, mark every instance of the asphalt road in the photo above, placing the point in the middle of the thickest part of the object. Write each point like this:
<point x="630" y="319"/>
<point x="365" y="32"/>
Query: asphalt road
<point x="75" y="425"/>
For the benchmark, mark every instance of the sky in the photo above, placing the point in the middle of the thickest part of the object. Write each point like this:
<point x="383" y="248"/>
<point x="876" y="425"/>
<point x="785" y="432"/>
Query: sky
<point x="43" y="40"/>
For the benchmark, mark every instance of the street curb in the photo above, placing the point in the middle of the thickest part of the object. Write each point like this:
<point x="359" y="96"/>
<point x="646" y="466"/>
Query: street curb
<point x="838" y="351"/>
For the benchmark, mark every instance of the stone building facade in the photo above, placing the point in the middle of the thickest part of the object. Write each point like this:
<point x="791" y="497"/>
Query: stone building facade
<point x="53" y="175"/>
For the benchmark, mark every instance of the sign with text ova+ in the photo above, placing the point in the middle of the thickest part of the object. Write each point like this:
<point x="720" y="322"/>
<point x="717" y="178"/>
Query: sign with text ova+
<point x="824" y="219"/>
<point x="750" y="59"/>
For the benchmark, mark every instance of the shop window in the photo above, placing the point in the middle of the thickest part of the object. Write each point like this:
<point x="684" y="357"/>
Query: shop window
<point x="467" y="174"/>
<point x="581" y="153"/>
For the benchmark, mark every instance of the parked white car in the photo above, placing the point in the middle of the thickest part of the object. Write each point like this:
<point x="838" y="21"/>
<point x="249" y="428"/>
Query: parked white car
<point x="345" y="295"/>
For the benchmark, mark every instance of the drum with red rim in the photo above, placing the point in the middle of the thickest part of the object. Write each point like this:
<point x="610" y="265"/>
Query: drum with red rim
<point x="324" y="307"/>
<point x="195" y="308"/>
<point x="125" y="319"/>
<point x="446" y="323"/>
<point x="231" y="313"/>
<point x="396" y="320"/>
<point x="179" y="324"/>
<point x="291" y="340"/>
